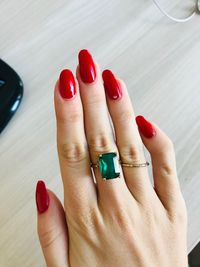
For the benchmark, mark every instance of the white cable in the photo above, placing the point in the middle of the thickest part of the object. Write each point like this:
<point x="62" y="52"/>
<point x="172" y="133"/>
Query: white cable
<point x="196" y="9"/>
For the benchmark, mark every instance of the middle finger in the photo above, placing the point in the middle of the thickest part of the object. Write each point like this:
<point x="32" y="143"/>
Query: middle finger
<point x="98" y="129"/>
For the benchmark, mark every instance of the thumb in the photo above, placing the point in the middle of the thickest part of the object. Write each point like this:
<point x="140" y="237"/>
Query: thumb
<point x="52" y="227"/>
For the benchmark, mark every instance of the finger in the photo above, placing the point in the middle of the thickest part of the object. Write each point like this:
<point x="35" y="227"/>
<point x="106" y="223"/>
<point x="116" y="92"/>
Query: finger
<point x="79" y="187"/>
<point x="52" y="227"/>
<point x="98" y="130"/>
<point x="162" y="153"/>
<point x="127" y="136"/>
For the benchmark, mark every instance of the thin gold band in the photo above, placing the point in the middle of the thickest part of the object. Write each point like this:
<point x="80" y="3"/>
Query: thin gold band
<point x="132" y="165"/>
<point x="135" y="165"/>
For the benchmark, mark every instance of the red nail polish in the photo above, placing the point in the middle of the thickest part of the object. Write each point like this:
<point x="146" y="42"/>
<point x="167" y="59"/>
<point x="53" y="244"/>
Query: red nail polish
<point x="67" y="85"/>
<point x="42" y="197"/>
<point x="145" y="127"/>
<point x="111" y="85"/>
<point x="87" y="66"/>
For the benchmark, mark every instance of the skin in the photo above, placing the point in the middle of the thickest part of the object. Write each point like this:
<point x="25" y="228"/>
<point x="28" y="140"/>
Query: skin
<point x="122" y="222"/>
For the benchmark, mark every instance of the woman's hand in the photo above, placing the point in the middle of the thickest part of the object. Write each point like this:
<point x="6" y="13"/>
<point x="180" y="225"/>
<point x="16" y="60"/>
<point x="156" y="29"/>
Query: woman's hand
<point x="122" y="222"/>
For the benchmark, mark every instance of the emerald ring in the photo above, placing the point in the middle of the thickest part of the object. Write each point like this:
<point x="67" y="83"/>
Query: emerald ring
<point x="108" y="164"/>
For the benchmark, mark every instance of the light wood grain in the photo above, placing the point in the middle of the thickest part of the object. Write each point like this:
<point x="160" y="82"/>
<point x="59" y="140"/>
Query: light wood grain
<point x="160" y="62"/>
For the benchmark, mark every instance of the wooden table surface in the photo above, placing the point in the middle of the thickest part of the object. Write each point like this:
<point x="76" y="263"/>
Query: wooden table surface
<point x="160" y="62"/>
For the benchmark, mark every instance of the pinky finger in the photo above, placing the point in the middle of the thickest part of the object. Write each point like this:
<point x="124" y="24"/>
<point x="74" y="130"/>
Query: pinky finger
<point x="52" y="227"/>
<point x="162" y="153"/>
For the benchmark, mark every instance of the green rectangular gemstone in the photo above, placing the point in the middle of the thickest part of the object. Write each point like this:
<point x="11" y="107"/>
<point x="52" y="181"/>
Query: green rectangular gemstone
<point x="109" y="166"/>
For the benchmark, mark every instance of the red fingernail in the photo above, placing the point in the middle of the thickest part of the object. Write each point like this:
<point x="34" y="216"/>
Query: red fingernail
<point x="87" y="66"/>
<point x="67" y="85"/>
<point x="42" y="197"/>
<point x="145" y="127"/>
<point x="111" y="85"/>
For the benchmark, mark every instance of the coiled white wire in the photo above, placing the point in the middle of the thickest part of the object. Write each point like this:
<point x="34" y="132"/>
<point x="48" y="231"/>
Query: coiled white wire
<point x="196" y="10"/>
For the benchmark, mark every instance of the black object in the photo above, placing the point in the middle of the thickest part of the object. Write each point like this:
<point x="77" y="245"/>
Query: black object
<point x="194" y="257"/>
<point x="11" y="93"/>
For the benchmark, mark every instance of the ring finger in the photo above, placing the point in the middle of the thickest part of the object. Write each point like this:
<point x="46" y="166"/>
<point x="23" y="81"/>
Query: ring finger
<point x="128" y="139"/>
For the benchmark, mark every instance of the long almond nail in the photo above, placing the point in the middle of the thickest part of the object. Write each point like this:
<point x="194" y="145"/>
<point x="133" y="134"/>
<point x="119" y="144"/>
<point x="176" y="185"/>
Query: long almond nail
<point x="145" y="127"/>
<point x="112" y="87"/>
<point x="42" y="197"/>
<point x="87" y="66"/>
<point x="67" y="85"/>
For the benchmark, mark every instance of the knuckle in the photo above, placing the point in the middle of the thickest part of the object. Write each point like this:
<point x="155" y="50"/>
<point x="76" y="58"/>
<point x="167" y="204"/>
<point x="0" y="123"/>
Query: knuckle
<point x="49" y="237"/>
<point x="166" y="169"/>
<point x="87" y="221"/>
<point x="179" y="217"/>
<point x="131" y="153"/>
<point x="99" y="143"/>
<point x="97" y="100"/>
<point x="126" y="116"/>
<point x="120" y="218"/>
<point x="123" y="221"/>
<point x="73" y="152"/>
<point x="74" y="116"/>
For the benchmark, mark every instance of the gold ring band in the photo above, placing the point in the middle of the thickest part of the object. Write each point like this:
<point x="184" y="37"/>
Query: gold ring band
<point x="130" y="165"/>
<point x="135" y="165"/>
